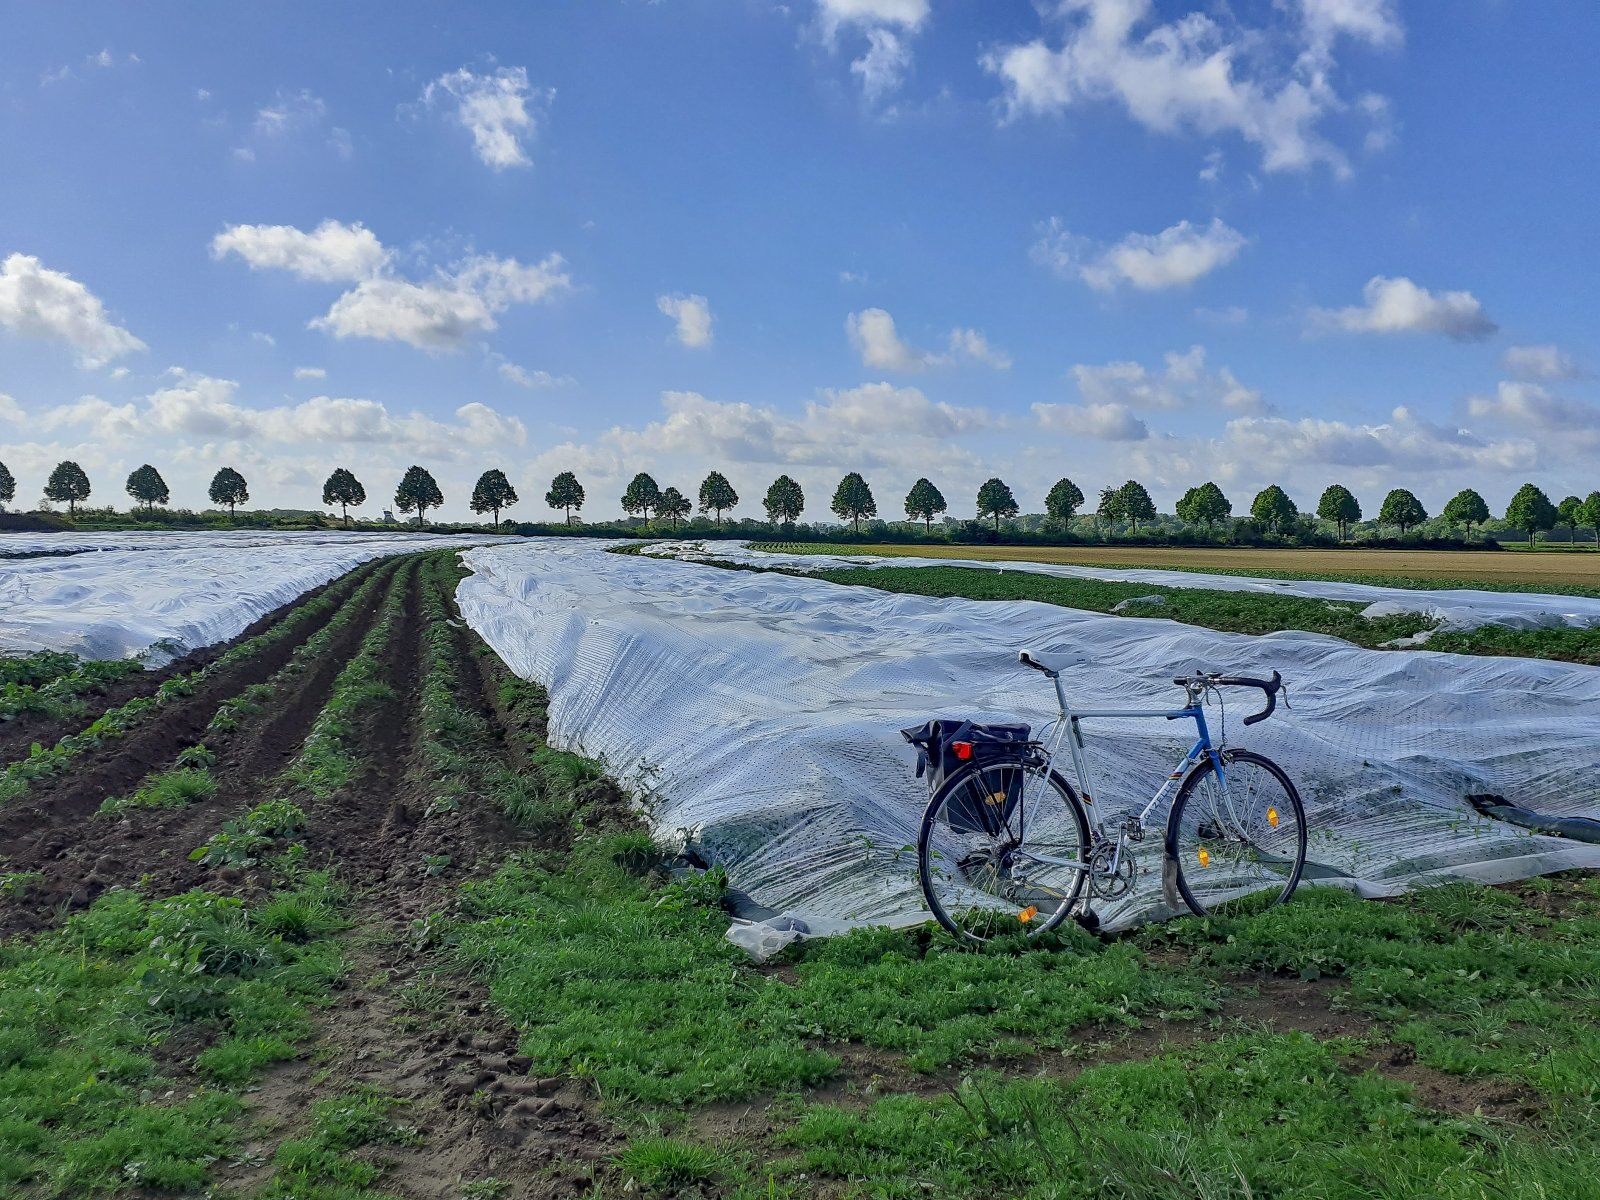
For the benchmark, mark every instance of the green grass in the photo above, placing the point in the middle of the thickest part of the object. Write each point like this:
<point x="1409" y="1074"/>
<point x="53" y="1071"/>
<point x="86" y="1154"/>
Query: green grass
<point x="170" y="789"/>
<point x="321" y="1166"/>
<point x="1479" y="981"/>
<point x="1248" y="1116"/>
<point x="1232" y="612"/>
<point x="101" y="1087"/>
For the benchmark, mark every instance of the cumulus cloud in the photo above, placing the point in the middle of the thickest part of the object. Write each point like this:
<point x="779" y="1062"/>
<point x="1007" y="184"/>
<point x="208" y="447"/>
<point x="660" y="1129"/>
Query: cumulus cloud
<point x="1401" y="306"/>
<point x="494" y="108"/>
<point x="1175" y="257"/>
<point x="883" y="66"/>
<point x="1184" y="382"/>
<point x="692" y="315"/>
<point x="1372" y="21"/>
<point x="1194" y="73"/>
<point x="310" y="373"/>
<point x="10" y="410"/>
<point x="532" y="380"/>
<point x="884" y="26"/>
<point x="439" y="313"/>
<point x="1549" y="363"/>
<point x="1109" y="422"/>
<point x="1524" y="404"/>
<point x="872" y="332"/>
<point x="447" y="310"/>
<point x="1405" y="440"/>
<point x="331" y="253"/>
<point x="37" y="302"/>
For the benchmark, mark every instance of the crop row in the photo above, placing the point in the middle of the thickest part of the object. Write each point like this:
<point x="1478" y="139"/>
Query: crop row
<point x="342" y="601"/>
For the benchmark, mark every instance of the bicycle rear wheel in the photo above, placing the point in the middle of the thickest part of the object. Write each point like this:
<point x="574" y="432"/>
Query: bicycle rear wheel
<point x="1003" y="849"/>
<point x="1239" y="841"/>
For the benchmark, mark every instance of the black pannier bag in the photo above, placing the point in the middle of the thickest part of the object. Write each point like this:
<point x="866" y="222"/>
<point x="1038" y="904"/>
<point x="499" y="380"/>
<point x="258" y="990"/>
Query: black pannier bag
<point x="938" y="758"/>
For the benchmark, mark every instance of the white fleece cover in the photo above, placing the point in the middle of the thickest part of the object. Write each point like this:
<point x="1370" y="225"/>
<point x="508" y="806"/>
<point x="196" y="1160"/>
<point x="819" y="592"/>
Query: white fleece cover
<point x="161" y="594"/>
<point x="760" y="713"/>
<point x="1453" y="608"/>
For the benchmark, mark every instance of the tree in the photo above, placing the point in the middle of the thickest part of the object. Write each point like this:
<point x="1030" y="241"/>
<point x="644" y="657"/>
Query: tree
<point x="566" y="493"/>
<point x="1063" y="500"/>
<point x="1112" y="508"/>
<point x="785" y="501"/>
<point x="418" y="492"/>
<point x="1467" y="508"/>
<point x="995" y="500"/>
<point x="924" y="502"/>
<point x="1401" y="508"/>
<point x="67" y="485"/>
<point x="492" y="492"/>
<point x="852" y="500"/>
<point x="1589" y="516"/>
<point x="1204" y="505"/>
<point x="344" y="489"/>
<point x="228" y="487"/>
<point x="1567" y="512"/>
<point x="8" y="486"/>
<point x="1273" y="509"/>
<point x="642" y="496"/>
<point x="1136" y="503"/>
<point x="1530" y="510"/>
<point x="147" y="487"/>
<point x="674" y="506"/>
<point x="717" y="494"/>
<point x="1339" y="506"/>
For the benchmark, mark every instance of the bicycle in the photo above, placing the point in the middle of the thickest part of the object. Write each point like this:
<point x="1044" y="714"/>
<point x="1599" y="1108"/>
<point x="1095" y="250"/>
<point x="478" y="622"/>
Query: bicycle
<point x="1007" y="845"/>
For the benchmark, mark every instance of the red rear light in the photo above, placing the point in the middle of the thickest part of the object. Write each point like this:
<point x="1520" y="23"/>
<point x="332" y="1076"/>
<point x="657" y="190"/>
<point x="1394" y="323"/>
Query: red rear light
<point x="963" y="749"/>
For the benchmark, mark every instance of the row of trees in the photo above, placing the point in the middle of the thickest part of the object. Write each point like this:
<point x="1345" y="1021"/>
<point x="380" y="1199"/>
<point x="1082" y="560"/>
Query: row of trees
<point x="1530" y="510"/>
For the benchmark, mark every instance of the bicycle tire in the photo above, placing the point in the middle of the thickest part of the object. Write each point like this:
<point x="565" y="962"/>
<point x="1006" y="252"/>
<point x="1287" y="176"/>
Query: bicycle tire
<point x="962" y="783"/>
<point x="1178" y="843"/>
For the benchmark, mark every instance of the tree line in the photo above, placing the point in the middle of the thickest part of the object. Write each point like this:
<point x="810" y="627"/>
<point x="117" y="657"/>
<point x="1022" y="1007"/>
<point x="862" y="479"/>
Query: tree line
<point x="1206" y="505"/>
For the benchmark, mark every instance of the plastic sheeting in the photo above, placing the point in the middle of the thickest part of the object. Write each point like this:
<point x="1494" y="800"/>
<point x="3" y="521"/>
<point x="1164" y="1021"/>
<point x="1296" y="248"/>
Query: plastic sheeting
<point x="758" y="715"/>
<point x="118" y="595"/>
<point x="1453" y="608"/>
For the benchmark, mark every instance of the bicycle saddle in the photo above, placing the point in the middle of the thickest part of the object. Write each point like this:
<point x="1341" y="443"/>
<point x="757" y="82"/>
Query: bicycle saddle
<point x="1051" y="664"/>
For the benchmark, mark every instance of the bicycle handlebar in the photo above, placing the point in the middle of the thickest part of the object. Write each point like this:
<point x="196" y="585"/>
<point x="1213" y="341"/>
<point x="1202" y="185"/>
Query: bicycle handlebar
<point x="1271" y="688"/>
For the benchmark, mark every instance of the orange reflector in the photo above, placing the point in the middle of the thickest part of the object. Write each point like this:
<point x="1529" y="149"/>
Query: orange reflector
<point x="963" y="750"/>
<point x="1028" y="913"/>
<point x="1272" y="817"/>
<point x="1204" y="856"/>
<point x="997" y="798"/>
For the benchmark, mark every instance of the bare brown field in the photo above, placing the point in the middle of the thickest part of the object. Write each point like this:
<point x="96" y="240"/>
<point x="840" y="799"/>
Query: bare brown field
<point x="1556" y="568"/>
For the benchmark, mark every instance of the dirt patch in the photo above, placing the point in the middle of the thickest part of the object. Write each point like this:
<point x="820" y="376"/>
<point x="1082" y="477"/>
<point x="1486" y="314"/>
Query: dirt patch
<point x="407" y="1026"/>
<point x="1444" y="1092"/>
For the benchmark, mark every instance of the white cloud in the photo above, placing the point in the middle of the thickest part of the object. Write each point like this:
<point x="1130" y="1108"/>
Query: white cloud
<point x="1184" y="382"/>
<point x="288" y="113"/>
<point x="693" y="317"/>
<point x="1541" y="362"/>
<point x="105" y="422"/>
<point x="10" y="410"/>
<point x="532" y="380"/>
<point x="906" y="14"/>
<point x="331" y="253"/>
<point x="883" y="67"/>
<point x="266" y="339"/>
<point x="1175" y="257"/>
<point x="1400" y="306"/>
<point x="1524" y="404"/>
<point x="1273" y="444"/>
<point x="494" y="109"/>
<point x="443" y="313"/>
<point x="1193" y="73"/>
<point x="872" y="332"/>
<point x="1104" y="422"/>
<point x="40" y="303"/>
<point x="971" y="343"/>
<point x="310" y="373"/>
<point x="1371" y="21"/>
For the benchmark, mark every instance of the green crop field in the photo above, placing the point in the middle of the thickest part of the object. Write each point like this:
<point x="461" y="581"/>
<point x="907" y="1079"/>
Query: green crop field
<point x="326" y="918"/>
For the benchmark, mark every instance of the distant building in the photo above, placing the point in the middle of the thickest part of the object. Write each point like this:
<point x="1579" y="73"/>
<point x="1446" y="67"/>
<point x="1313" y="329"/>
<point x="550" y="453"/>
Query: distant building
<point x="388" y="518"/>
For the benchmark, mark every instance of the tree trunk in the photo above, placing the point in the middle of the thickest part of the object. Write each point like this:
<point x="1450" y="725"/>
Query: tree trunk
<point x="419" y="516"/>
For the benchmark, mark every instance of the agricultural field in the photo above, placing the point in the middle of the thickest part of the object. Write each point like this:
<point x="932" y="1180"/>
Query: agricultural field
<point x="1542" y="570"/>
<point x="320" y="913"/>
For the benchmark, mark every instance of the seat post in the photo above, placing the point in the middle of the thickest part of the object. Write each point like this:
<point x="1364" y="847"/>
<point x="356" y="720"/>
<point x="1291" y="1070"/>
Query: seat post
<point x="1061" y="693"/>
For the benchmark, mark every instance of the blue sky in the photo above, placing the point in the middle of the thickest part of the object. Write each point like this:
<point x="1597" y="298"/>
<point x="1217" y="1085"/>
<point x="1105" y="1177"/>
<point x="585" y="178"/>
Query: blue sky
<point x="1289" y="241"/>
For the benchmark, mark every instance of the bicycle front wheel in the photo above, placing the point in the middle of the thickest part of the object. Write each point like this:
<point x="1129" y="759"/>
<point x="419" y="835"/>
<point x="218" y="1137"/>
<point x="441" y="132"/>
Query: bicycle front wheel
<point x="1238" y="839"/>
<point x="1003" y="849"/>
